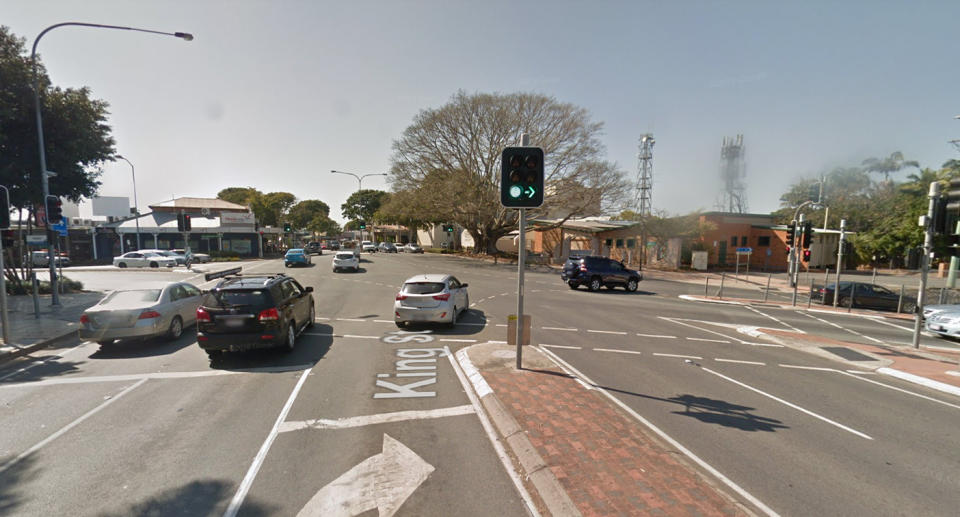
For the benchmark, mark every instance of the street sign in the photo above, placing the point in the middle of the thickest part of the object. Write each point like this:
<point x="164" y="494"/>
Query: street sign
<point x="61" y="227"/>
<point x="36" y="239"/>
<point x="744" y="251"/>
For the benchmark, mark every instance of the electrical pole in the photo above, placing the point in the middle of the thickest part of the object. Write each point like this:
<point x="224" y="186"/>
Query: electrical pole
<point x="840" y="246"/>
<point x="927" y="223"/>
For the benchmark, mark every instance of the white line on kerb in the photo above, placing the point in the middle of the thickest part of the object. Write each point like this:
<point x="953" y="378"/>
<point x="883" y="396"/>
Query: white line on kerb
<point x="264" y="449"/>
<point x="617" y="351"/>
<point x="382" y="418"/>
<point x="565" y="347"/>
<point x="658" y="354"/>
<point x="657" y="336"/>
<point x="789" y="404"/>
<point x="559" y="328"/>
<point x="608" y="332"/>
<point x="696" y="459"/>
<point x="707" y="340"/>
<point x="738" y="361"/>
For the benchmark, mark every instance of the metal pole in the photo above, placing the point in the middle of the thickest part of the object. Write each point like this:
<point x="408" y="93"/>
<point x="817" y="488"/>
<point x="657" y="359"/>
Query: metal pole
<point x="522" y="257"/>
<point x="766" y="291"/>
<point x="900" y="300"/>
<point x="873" y="281"/>
<point x="934" y="194"/>
<point x="3" y="296"/>
<point x="720" y="292"/>
<point x="836" y="284"/>
<point x="810" y="296"/>
<point x="706" y="287"/>
<point x="36" y="289"/>
<point x="736" y="270"/>
<point x="747" y="274"/>
<point x="136" y="206"/>
<point x="940" y="299"/>
<point x="853" y="293"/>
<point x="826" y="278"/>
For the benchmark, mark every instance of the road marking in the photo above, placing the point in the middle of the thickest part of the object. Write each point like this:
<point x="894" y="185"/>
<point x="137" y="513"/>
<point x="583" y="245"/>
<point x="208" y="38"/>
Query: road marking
<point x="819" y="319"/>
<point x="565" y="347"/>
<point x="559" y="328"/>
<point x="901" y="390"/>
<point x="737" y="361"/>
<point x="678" y="322"/>
<point x="264" y="449"/>
<point x="501" y="325"/>
<point x="789" y="404"/>
<point x="69" y="426"/>
<point x="861" y="372"/>
<point x="459" y="340"/>
<point x="696" y="459"/>
<point x="707" y="340"/>
<point x="774" y="319"/>
<point x="679" y="356"/>
<point x="813" y="368"/>
<point x="352" y="319"/>
<point x="617" y="351"/>
<point x="323" y="319"/>
<point x="360" y="337"/>
<point x="154" y="375"/>
<point x="44" y="361"/>
<point x="384" y="321"/>
<point x="657" y="336"/>
<point x="327" y="334"/>
<point x="879" y="319"/>
<point x="382" y="418"/>
<point x="413" y="362"/>
<point x="615" y="332"/>
<point x="497" y="342"/>
<point x="770" y="345"/>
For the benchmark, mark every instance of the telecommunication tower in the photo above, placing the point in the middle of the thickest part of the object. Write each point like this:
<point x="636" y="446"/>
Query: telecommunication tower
<point x="644" y="195"/>
<point x="732" y="173"/>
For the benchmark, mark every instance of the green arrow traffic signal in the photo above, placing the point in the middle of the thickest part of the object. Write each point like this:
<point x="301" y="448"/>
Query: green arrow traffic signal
<point x="521" y="178"/>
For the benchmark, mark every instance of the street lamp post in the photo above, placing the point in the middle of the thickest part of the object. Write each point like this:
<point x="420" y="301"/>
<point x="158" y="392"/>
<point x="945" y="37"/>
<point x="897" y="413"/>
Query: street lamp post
<point x="360" y="184"/>
<point x="136" y="207"/>
<point x="44" y="173"/>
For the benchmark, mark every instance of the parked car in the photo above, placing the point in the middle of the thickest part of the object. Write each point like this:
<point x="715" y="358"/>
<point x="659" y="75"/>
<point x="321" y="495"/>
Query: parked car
<point x="863" y="294"/>
<point x="346" y="260"/>
<point x="930" y="310"/>
<point x="200" y="258"/>
<point x="141" y="313"/>
<point x="248" y="312"/>
<point x="296" y="257"/>
<point x="181" y="259"/>
<point x="143" y="259"/>
<point x="41" y="258"/>
<point x="333" y="245"/>
<point x="314" y="247"/>
<point x="597" y="272"/>
<point x="433" y="298"/>
<point x="943" y="323"/>
<point x="368" y="247"/>
<point x="388" y="247"/>
<point x="413" y="248"/>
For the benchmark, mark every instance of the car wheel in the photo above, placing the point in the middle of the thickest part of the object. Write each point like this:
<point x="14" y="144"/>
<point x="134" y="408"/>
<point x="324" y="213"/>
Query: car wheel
<point x="176" y="328"/>
<point x="154" y="265"/>
<point x="910" y="307"/>
<point x="573" y="285"/>
<point x="291" y="336"/>
<point x="595" y="284"/>
<point x="214" y="354"/>
<point x="313" y="316"/>
<point x="844" y="301"/>
<point x="105" y="342"/>
<point x="400" y="324"/>
<point x="453" y="318"/>
<point x="286" y="264"/>
<point x="122" y="265"/>
<point x="632" y="285"/>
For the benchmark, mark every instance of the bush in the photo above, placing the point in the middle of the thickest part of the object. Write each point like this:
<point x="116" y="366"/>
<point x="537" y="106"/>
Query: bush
<point x="224" y="254"/>
<point x="224" y="259"/>
<point x="66" y="286"/>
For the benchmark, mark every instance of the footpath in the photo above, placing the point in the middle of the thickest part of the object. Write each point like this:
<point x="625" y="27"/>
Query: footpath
<point x="30" y="330"/>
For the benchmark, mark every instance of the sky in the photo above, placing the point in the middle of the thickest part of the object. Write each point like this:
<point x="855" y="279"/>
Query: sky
<point x="275" y="94"/>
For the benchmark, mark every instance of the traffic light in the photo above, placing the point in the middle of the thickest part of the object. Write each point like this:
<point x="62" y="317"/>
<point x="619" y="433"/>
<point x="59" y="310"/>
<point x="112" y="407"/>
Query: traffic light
<point x="287" y="227"/>
<point x="448" y="228"/>
<point x="180" y="222"/>
<point x="363" y="225"/>
<point x="521" y="177"/>
<point x="187" y="225"/>
<point x="788" y="250"/>
<point x="806" y="255"/>
<point x="54" y="210"/>
<point x="791" y="233"/>
<point x="807" y="234"/>
<point x="8" y="238"/>
<point x="4" y="209"/>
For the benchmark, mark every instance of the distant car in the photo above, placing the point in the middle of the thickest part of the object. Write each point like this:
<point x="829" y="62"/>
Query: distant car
<point x="436" y="298"/>
<point x="333" y="245"/>
<point x="597" y="272"/>
<point x="296" y="257"/>
<point x="413" y="248"/>
<point x="863" y="294"/>
<point x="346" y="260"/>
<point x="314" y="247"/>
<point x="256" y="311"/>
<point x="200" y="258"/>
<point x="141" y="313"/>
<point x="181" y="259"/>
<point x="388" y="247"/>
<point x="42" y="259"/>
<point x="930" y="310"/>
<point x="368" y="247"/>
<point x="143" y="259"/>
<point x="945" y="323"/>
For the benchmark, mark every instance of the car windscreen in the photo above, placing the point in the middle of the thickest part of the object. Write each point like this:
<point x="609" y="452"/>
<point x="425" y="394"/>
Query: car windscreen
<point x="134" y="296"/>
<point x="343" y="256"/>
<point x="423" y="287"/>
<point x="238" y="298"/>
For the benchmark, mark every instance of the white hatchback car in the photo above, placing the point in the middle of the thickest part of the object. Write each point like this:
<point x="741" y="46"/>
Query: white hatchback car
<point x="346" y="260"/>
<point x="430" y="299"/>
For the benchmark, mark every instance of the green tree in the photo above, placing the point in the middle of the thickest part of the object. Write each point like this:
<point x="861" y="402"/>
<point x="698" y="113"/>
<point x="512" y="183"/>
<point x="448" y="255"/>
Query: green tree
<point x="303" y="213"/>
<point x="449" y="160"/>
<point x="363" y="204"/>
<point x="271" y="208"/>
<point x="893" y="163"/>
<point x="324" y="225"/>
<point x="240" y="195"/>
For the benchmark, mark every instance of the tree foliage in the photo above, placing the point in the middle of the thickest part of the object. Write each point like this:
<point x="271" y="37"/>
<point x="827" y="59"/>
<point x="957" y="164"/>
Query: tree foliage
<point x="447" y="162"/>
<point x="887" y="165"/>
<point x="304" y="212"/>
<point x="363" y="204"/>
<point x="269" y="209"/>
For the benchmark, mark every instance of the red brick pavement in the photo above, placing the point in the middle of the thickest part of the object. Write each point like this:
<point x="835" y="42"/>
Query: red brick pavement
<point x="607" y="462"/>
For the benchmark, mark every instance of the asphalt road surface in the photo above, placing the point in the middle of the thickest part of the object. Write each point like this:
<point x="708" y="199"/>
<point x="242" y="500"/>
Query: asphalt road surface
<point x="156" y="428"/>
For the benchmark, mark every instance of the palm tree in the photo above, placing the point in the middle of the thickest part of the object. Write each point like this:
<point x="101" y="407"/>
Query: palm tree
<point x="892" y="163"/>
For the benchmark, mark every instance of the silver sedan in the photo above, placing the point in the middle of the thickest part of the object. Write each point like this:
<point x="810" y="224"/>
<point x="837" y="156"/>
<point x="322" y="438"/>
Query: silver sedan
<point x="430" y="299"/>
<point x="141" y="313"/>
<point x="945" y="323"/>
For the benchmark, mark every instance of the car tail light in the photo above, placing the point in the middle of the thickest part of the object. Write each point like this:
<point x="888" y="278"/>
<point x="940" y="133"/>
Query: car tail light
<point x="266" y="337"/>
<point x="202" y="315"/>
<point x="146" y="315"/>
<point x="442" y="297"/>
<point x="583" y="267"/>
<point x="401" y="296"/>
<point x="270" y="314"/>
<point x="84" y="319"/>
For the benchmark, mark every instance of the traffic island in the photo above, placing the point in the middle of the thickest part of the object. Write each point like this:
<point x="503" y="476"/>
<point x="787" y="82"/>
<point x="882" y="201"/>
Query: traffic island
<point x="582" y="454"/>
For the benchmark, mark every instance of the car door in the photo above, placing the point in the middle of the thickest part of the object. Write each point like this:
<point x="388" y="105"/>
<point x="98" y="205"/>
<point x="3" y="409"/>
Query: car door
<point x="609" y="273"/>
<point x="191" y="302"/>
<point x="459" y="294"/>
<point x="301" y="301"/>
<point x="885" y="298"/>
<point x="135" y="259"/>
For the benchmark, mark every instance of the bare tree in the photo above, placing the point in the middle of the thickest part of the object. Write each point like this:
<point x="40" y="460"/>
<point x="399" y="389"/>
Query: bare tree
<point x="448" y="159"/>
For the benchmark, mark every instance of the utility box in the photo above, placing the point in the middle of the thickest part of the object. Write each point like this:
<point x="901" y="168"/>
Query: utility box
<point x="699" y="260"/>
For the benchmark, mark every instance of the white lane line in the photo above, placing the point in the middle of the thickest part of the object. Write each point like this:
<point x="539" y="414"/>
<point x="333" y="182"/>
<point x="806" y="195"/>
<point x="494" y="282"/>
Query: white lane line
<point x="737" y="361"/>
<point x="69" y="426"/>
<point x="497" y="342"/>
<point x="861" y="372"/>
<point x="351" y="319"/>
<point x="559" y="328"/>
<point x="707" y="340"/>
<point x="565" y="347"/>
<point x="382" y="418"/>
<point x="742" y="342"/>
<point x="154" y="375"/>
<point x="44" y="361"/>
<point x="241" y="494"/>
<point x="696" y="459"/>
<point x="880" y="319"/>
<point x="323" y="319"/>
<point x="789" y="404"/>
<point x="501" y="325"/>
<point x="354" y="336"/>
<point x="813" y="368"/>
<point x="459" y="340"/>
<point x="770" y="345"/>
<point x="615" y="332"/>
<point x="901" y="390"/>
<point x="661" y="336"/>
<point x="819" y="319"/>
<point x="795" y="329"/>
<point x="658" y="354"/>
<point x="616" y="351"/>
<point x="844" y="328"/>
<point x="383" y="321"/>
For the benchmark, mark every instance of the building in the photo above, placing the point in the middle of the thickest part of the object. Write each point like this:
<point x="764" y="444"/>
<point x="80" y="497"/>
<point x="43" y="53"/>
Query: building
<point x="97" y="210"/>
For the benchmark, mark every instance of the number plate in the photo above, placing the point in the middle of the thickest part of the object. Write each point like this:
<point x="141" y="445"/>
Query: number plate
<point x="936" y="327"/>
<point x="233" y="323"/>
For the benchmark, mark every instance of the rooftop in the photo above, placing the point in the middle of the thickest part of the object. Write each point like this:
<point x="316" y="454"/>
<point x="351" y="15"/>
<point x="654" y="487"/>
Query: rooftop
<point x="198" y="203"/>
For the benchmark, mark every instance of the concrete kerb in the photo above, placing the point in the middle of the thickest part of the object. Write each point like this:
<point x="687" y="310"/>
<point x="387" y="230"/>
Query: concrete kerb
<point x="548" y="487"/>
<point x="18" y="351"/>
<point x="799" y="307"/>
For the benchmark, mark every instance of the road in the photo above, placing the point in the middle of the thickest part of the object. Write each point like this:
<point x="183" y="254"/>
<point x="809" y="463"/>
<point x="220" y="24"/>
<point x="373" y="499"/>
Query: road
<point x="154" y="427"/>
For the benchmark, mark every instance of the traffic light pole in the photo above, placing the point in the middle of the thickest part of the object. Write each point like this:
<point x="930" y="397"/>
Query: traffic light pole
<point x="795" y="255"/>
<point x="840" y="246"/>
<point x="925" y="260"/>
<point x="521" y="260"/>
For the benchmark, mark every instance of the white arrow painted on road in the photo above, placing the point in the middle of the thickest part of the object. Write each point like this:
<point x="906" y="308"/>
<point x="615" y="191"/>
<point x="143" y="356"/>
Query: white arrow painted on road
<point x="382" y="481"/>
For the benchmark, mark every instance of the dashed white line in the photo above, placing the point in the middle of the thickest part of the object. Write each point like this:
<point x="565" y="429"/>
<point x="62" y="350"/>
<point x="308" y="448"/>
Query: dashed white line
<point x="565" y="347"/>
<point x="795" y="329"/>
<point x="459" y="340"/>
<point x="350" y="319"/>
<point x="559" y="328"/>
<point x="707" y="340"/>
<point x="677" y="356"/>
<point x="814" y="368"/>
<point x="657" y="336"/>
<point x="615" y="332"/>
<point x="617" y="351"/>
<point x="383" y="321"/>
<point x="738" y="361"/>
<point x="360" y="337"/>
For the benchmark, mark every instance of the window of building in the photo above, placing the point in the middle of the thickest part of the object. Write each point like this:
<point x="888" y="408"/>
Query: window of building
<point x="619" y="243"/>
<point x="763" y="241"/>
<point x="609" y="242"/>
<point x="743" y="240"/>
<point x="631" y="243"/>
<point x="733" y="240"/>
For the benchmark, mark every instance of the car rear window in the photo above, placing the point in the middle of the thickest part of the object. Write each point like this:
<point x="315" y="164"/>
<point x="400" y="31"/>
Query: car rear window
<point x="238" y="298"/>
<point x="347" y="255"/>
<point x="423" y="287"/>
<point x="138" y="295"/>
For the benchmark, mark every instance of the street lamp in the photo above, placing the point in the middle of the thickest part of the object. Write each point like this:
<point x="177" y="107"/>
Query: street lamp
<point x="44" y="173"/>
<point x="136" y="208"/>
<point x="360" y="183"/>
